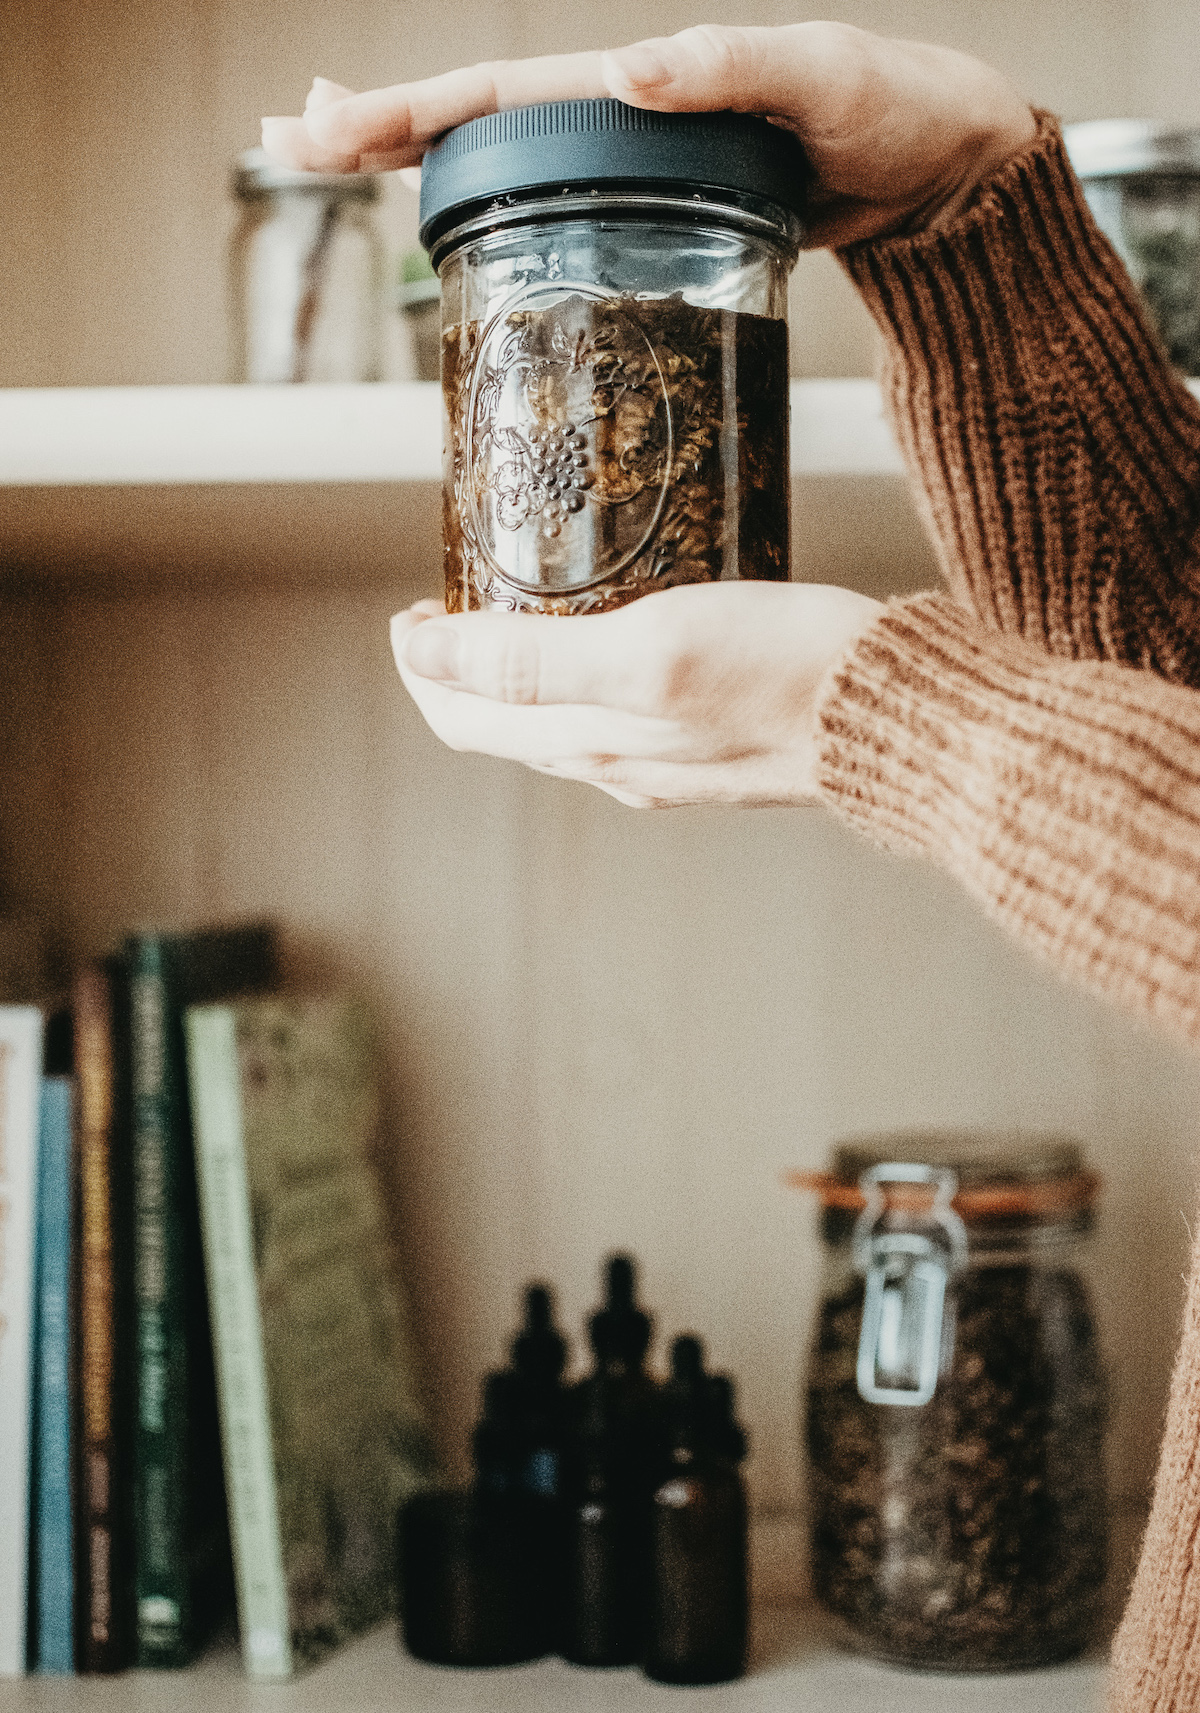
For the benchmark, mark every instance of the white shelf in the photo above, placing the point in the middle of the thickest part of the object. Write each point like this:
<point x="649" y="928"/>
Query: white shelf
<point x="126" y="488"/>
<point x="795" y="1671"/>
<point x="191" y="436"/>
<point x="134" y="436"/>
<point x="153" y="436"/>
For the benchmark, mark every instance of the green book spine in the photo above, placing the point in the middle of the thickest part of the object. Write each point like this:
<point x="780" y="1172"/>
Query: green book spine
<point x="237" y="1336"/>
<point x="163" y="1591"/>
<point x="184" y="1575"/>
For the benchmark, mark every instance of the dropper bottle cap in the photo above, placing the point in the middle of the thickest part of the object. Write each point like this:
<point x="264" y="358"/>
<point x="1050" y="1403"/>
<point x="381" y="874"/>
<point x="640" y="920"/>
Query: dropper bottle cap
<point x="620" y="1332"/>
<point x="685" y="1401"/>
<point x="539" y="1351"/>
<point x="699" y="1407"/>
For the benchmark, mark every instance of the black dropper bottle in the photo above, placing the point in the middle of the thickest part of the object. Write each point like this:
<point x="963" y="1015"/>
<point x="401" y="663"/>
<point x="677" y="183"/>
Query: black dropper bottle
<point x="697" y="1608"/>
<point x="604" y="1535"/>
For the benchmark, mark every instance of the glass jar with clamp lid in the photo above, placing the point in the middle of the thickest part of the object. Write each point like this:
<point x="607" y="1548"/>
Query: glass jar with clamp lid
<point x="956" y="1401"/>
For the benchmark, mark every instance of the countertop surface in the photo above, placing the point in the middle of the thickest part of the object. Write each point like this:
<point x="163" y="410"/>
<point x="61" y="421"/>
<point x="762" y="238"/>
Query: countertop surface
<point x="796" y="1669"/>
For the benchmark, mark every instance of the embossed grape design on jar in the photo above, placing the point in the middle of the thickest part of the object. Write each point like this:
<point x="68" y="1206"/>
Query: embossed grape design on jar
<point x="614" y="351"/>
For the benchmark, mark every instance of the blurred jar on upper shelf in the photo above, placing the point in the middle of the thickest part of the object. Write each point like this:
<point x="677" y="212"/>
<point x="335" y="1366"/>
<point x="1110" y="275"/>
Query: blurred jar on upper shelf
<point x="306" y="275"/>
<point x="1142" y="183"/>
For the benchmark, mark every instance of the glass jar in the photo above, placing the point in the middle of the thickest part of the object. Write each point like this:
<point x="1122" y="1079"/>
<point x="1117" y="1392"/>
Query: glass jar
<point x="305" y="275"/>
<point x="614" y="351"/>
<point x="1142" y="183"/>
<point x="419" y="302"/>
<point x="956" y="1402"/>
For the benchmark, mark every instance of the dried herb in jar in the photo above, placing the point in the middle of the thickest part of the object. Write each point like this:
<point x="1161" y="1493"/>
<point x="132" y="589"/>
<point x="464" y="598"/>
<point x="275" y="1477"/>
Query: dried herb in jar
<point x="604" y="447"/>
<point x="969" y="1533"/>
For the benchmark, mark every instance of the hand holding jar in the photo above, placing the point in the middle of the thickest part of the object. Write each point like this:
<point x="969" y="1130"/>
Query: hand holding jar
<point x="897" y="133"/>
<point x="705" y="693"/>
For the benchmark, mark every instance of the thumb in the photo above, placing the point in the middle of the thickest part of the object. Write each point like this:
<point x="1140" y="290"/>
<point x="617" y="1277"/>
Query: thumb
<point x="713" y="67"/>
<point x="526" y="658"/>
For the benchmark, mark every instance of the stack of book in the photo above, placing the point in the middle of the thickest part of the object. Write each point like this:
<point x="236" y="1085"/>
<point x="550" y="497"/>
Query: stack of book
<point x="206" y="1381"/>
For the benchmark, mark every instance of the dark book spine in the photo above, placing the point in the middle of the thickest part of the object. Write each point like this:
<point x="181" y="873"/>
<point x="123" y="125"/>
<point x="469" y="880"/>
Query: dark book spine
<point x="163" y="1476"/>
<point x="104" y="1594"/>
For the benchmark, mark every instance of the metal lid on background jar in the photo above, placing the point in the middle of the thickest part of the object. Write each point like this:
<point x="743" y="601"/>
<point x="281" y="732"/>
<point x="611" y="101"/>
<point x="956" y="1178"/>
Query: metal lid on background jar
<point x="255" y="174"/>
<point x="1002" y="1175"/>
<point x="1115" y="148"/>
<point x="603" y="143"/>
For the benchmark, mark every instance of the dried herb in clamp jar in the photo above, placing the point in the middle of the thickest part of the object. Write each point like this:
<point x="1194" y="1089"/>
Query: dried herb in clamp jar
<point x="614" y="351"/>
<point x="956" y="1402"/>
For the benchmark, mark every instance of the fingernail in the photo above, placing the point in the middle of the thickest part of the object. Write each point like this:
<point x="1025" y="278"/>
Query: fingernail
<point x="432" y="652"/>
<point x="323" y="91"/>
<point x="640" y="66"/>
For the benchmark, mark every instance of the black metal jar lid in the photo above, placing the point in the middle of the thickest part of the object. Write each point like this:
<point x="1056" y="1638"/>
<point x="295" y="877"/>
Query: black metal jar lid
<point x="589" y="145"/>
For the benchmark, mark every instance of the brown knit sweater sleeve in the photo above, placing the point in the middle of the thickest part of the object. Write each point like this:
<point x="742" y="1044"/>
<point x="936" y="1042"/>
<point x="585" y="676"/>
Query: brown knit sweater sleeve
<point x="1055" y="453"/>
<point x="1005" y="732"/>
<point x="1064" y="794"/>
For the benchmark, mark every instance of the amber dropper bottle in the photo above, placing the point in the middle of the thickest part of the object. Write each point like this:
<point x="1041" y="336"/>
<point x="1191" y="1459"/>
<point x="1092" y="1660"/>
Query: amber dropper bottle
<point x="697" y="1616"/>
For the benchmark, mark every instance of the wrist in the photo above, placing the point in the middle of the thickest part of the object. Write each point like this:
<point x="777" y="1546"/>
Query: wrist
<point x="990" y="155"/>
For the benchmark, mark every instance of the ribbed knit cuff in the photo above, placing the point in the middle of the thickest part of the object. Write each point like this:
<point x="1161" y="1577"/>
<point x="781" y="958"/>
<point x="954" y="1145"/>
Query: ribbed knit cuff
<point x="1065" y="795"/>
<point x="1055" y="450"/>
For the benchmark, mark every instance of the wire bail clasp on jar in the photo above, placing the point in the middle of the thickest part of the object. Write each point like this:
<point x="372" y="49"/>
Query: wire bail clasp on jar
<point x="900" y="1346"/>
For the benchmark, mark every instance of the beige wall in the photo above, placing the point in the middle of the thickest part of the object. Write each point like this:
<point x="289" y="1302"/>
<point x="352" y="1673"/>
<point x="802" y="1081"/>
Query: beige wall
<point x="602" y="1027"/>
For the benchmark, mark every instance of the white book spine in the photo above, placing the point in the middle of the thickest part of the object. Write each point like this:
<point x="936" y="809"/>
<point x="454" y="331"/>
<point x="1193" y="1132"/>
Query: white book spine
<point x="214" y="1085"/>
<point x="20" y="1087"/>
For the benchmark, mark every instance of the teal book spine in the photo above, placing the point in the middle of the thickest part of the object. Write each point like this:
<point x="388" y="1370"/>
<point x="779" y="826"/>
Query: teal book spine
<point x="52" y="1583"/>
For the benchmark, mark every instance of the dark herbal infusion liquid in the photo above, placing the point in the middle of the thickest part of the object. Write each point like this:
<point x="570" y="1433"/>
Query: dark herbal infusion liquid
<point x="605" y="447"/>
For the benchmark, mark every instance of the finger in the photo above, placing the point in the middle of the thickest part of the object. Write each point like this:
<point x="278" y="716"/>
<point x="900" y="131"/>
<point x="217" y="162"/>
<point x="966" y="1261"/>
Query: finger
<point x="409" y="116"/>
<point x="287" y="141"/>
<point x="631" y="800"/>
<point x="713" y="67"/>
<point x="666" y="782"/>
<point x="524" y="658"/>
<point x="571" y="742"/>
<point x="402" y="623"/>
